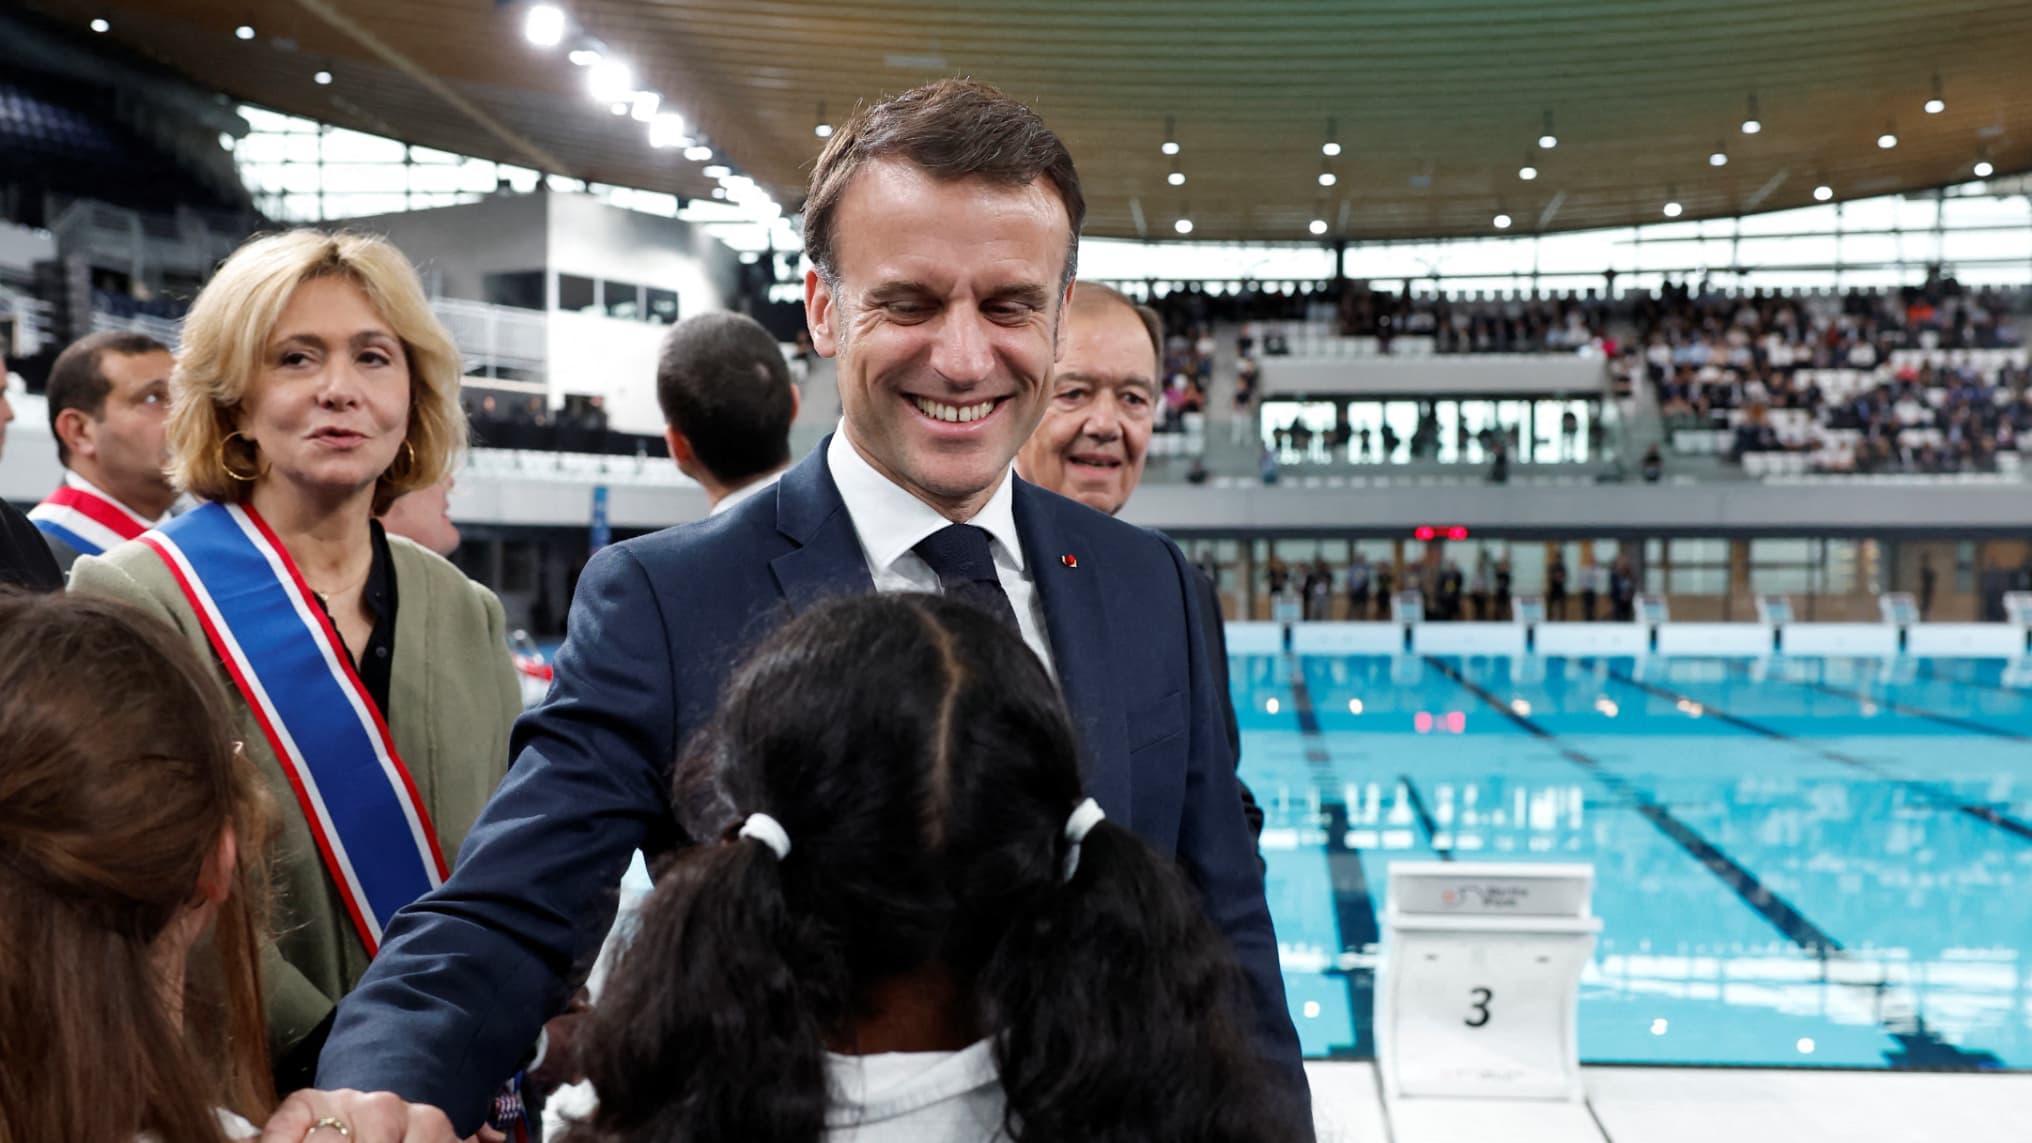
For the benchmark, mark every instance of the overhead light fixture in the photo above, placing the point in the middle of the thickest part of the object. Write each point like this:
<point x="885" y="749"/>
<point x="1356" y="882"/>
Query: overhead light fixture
<point x="583" y="57"/>
<point x="1751" y="123"/>
<point x="1329" y="149"/>
<point x="1318" y="226"/>
<point x="610" y="80"/>
<point x="1175" y="178"/>
<point x="1170" y="145"/>
<point x="101" y="26"/>
<point x="1183" y="226"/>
<point x="1935" y="105"/>
<point x="1983" y="169"/>
<point x="1326" y="178"/>
<point x="716" y="171"/>
<point x="645" y="105"/>
<point x="620" y="108"/>
<point x="244" y="31"/>
<point x="1527" y="172"/>
<point x="1547" y="139"/>
<point x="698" y="152"/>
<point x="666" y="130"/>
<point x="1332" y="147"/>
<point x="1889" y="138"/>
<point x="322" y="79"/>
<point x="1502" y="222"/>
<point x="544" y="26"/>
<point x="1822" y="193"/>
<point x="1719" y="157"/>
<point x="823" y="128"/>
<point x="1673" y="209"/>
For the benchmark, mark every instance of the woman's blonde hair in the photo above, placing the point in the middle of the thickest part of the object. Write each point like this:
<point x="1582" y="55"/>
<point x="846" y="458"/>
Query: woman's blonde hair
<point x="226" y="335"/>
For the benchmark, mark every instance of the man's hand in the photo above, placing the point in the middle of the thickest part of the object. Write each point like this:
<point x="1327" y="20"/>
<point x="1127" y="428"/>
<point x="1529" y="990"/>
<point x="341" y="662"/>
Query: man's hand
<point x="376" y="1117"/>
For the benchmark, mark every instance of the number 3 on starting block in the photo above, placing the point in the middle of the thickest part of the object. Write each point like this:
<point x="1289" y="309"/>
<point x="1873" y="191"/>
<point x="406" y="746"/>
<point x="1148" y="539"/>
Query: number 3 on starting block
<point x="1481" y="979"/>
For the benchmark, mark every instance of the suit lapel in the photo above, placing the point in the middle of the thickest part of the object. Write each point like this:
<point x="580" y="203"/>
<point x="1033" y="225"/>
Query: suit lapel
<point x="828" y="560"/>
<point x="1077" y="625"/>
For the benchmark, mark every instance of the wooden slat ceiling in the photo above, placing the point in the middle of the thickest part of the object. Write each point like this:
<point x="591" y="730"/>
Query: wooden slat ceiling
<point x="1437" y="103"/>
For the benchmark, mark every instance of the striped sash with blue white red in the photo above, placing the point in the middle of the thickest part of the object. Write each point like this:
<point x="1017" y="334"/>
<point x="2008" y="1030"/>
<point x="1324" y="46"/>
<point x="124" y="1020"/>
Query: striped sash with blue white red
<point x="90" y="523"/>
<point x="332" y="743"/>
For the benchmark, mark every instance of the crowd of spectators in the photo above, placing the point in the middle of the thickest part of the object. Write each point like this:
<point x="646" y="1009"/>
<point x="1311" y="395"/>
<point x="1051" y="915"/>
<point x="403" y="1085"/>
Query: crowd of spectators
<point x="517" y="421"/>
<point x="1552" y="324"/>
<point x="1593" y="592"/>
<point x="1910" y="380"/>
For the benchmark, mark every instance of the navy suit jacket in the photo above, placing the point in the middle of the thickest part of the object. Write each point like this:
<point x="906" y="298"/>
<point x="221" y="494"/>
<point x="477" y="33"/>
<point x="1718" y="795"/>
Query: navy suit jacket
<point x="467" y="975"/>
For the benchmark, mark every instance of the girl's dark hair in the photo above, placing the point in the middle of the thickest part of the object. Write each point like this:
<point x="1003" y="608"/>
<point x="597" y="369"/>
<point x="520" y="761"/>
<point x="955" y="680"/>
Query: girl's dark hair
<point x="924" y="766"/>
<point x="118" y="776"/>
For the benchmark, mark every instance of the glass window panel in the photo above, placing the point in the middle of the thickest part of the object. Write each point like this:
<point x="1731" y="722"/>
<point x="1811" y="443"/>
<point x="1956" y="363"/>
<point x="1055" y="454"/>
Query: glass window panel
<point x="343" y="146"/>
<point x="373" y="177"/>
<point x="523" y="289"/>
<point x="1869" y="248"/>
<point x="301" y="208"/>
<point x="360" y="205"/>
<point x="1991" y="245"/>
<point x="622" y="299"/>
<point x="1702" y="551"/>
<point x="1781" y="580"/>
<point x="1987" y="210"/>
<point x="663" y="306"/>
<point x="1781" y="551"/>
<point x="440" y="180"/>
<point x="431" y="156"/>
<point x="478" y="176"/>
<point x="577" y="295"/>
<point x="522" y="179"/>
<point x="262" y="119"/>
<point x="1698" y="581"/>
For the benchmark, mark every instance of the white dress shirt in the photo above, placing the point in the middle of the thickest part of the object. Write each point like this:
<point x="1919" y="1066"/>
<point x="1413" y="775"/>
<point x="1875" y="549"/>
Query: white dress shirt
<point x="890" y="521"/>
<point x="745" y="491"/>
<point x="82" y="485"/>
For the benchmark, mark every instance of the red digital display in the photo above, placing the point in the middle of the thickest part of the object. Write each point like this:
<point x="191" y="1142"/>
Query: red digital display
<point x="1428" y="533"/>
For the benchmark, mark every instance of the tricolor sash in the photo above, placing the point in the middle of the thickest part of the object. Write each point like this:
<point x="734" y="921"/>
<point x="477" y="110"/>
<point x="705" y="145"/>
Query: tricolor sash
<point x="88" y="522"/>
<point x="331" y="742"/>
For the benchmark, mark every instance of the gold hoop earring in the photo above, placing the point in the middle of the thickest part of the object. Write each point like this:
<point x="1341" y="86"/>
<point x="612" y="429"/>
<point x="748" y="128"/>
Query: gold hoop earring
<point x="408" y="462"/>
<point x="226" y="465"/>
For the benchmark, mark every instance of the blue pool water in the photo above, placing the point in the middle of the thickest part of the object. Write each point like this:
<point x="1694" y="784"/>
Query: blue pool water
<point x="1812" y="862"/>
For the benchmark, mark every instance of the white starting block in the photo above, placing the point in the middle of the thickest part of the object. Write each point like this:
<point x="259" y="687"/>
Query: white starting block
<point x="1477" y="1001"/>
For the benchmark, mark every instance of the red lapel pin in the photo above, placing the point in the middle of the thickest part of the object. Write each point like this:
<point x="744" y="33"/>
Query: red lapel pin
<point x="1069" y="561"/>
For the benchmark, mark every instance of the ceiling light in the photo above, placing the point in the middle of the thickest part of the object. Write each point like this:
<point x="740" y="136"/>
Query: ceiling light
<point x="544" y="26"/>
<point x="583" y="57"/>
<point x="716" y="171"/>
<point x="1329" y="149"/>
<point x="1527" y="172"/>
<point x="1888" y="139"/>
<point x="1822" y="193"/>
<point x="1170" y="146"/>
<point x="823" y="128"/>
<point x="620" y="108"/>
<point x="1318" y="226"/>
<point x="1936" y="104"/>
<point x="1502" y="222"/>
<point x="666" y="130"/>
<point x="244" y="31"/>
<point x="646" y="103"/>
<point x="101" y="26"/>
<point x="1983" y="169"/>
<point x="698" y="153"/>
<point x="1326" y="178"/>
<point x="1332" y="147"/>
<point x="610" y="80"/>
<point x="1548" y="140"/>
<point x="1719" y="157"/>
<point x="322" y="79"/>
<point x="1175" y="178"/>
<point x="719" y="192"/>
<point x="1183" y="226"/>
<point x="1672" y="209"/>
<point x="1752" y="124"/>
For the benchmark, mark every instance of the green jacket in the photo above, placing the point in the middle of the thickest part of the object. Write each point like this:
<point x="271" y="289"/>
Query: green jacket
<point x="453" y="696"/>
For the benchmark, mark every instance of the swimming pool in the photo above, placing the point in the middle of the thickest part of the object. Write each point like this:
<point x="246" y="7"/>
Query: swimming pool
<point x="1799" y="862"/>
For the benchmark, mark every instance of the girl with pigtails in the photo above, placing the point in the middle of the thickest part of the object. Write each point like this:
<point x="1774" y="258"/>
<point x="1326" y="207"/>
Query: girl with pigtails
<point x="915" y="926"/>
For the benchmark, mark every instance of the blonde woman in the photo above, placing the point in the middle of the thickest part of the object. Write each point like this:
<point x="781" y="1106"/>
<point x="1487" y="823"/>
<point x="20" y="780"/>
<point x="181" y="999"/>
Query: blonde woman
<point x="371" y="679"/>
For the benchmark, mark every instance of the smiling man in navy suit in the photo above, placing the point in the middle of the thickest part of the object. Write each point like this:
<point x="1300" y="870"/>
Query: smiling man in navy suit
<point x="943" y="225"/>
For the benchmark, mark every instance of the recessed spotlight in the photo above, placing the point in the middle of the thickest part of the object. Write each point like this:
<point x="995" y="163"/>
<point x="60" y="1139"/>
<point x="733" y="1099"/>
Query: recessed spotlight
<point x="1175" y="178"/>
<point x="101" y="26"/>
<point x="1317" y="226"/>
<point x="1936" y="105"/>
<point x="544" y="26"/>
<point x="1752" y="126"/>
<point x="1527" y="172"/>
<point x="1887" y="140"/>
<point x="1184" y="226"/>
<point x="716" y="171"/>
<point x="1672" y="210"/>
<point x="1329" y="149"/>
<point x="1326" y="178"/>
<point x="1548" y="141"/>
<point x="1718" y="158"/>
<point x="244" y="31"/>
<point x="1169" y="147"/>
<point x="583" y="57"/>
<point x="1983" y="169"/>
<point x="1822" y="193"/>
<point x="1751" y="122"/>
<point x="823" y="130"/>
<point x="667" y="130"/>
<point x="699" y="153"/>
<point x="610" y="80"/>
<point x="1502" y="222"/>
<point x="322" y="79"/>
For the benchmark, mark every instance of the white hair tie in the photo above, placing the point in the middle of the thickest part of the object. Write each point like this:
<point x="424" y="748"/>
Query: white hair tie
<point x="769" y="832"/>
<point x="1083" y="818"/>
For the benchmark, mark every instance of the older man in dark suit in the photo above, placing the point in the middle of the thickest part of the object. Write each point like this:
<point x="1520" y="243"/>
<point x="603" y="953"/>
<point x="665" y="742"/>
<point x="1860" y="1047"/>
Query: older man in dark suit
<point x="943" y="226"/>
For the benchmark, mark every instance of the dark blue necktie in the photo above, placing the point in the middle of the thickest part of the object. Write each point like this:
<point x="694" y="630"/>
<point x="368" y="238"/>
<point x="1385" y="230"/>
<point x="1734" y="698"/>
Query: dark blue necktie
<point x="959" y="554"/>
